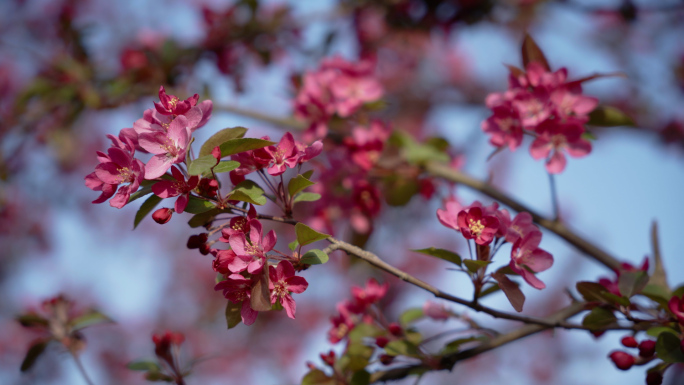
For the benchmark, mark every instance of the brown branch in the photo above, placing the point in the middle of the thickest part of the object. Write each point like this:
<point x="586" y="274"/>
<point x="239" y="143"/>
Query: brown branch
<point x="448" y="361"/>
<point x="445" y="172"/>
<point x="379" y="263"/>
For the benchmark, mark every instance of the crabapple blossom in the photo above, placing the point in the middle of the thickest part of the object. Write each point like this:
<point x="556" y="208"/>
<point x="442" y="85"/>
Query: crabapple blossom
<point x="676" y="306"/>
<point x="171" y="105"/>
<point x="237" y="289"/>
<point x="285" y="154"/>
<point x="283" y="281"/>
<point x="555" y="139"/>
<point x="436" y="311"/>
<point x="169" y="147"/>
<point x="252" y="255"/>
<point x="178" y="187"/>
<point x="475" y="224"/>
<point x="117" y="167"/>
<point x="527" y="258"/>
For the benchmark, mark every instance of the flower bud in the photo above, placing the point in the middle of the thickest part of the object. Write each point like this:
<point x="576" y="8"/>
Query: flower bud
<point x="382" y="341"/>
<point x="629" y="341"/>
<point x="395" y="329"/>
<point x="328" y="358"/>
<point x="622" y="360"/>
<point x="647" y="348"/>
<point x="204" y="249"/>
<point x="162" y="215"/>
<point x="216" y="152"/>
<point x="386" y="359"/>
<point x="654" y="378"/>
<point x="195" y="241"/>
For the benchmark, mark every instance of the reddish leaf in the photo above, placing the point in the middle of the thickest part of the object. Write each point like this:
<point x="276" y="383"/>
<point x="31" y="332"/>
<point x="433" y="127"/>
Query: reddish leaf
<point x="532" y="53"/>
<point x="261" y="298"/>
<point x="515" y="71"/>
<point x="513" y="293"/>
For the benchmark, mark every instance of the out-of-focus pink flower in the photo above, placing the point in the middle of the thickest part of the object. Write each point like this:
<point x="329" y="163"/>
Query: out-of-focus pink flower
<point x="527" y="258"/>
<point x="367" y="296"/>
<point x="342" y="324"/>
<point x="520" y="226"/>
<point x="504" y="127"/>
<point x="556" y="138"/>
<point x="436" y="311"/>
<point x="676" y="306"/>
<point x="449" y="217"/>
<point x="283" y="281"/>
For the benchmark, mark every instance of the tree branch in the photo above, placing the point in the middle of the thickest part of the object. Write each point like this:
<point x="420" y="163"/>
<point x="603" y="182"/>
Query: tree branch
<point x="445" y="172"/>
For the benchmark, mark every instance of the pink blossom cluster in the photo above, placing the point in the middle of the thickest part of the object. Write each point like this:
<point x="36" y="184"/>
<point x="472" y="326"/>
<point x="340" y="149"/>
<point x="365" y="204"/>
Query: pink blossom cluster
<point x="288" y="153"/>
<point x="165" y="132"/>
<point x="489" y="224"/>
<point x="246" y="263"/>
<point x="338" y="87"/>
<point x="545" y="105"/>
<point x="356" y="310"/>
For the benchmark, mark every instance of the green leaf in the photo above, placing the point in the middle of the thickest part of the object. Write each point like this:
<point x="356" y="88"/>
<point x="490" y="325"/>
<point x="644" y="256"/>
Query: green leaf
<point x="364" y="330"/>
<point x="89" y="319"/>
<point x="659" y="278"/>
<point x="226" y="166"/>
<point x="657" y="293"/>
<point x="146" y="208"/>
<point x="399" y="190"/>
<point x="314" y="257"/>
<point x="144" y="366"/>
<point x="474" y="265"/>
<point x="416" y="153"/>
<point x="250" y="192"/>
<point x="632" y="282"/>
<point x="36" y="349"/>
<point x="410" y="316"/>
<point x="202" y="219"/>
<point x="307" y="235"/>
<point x="668" y="348"/>
<point x="606" y="116"/>
<point x="532" y="53"/>
<point x="317" y="377"/>
<point x="201" y="165"/>
<point x="298" y="184"/>
<point x="32" y="320"/>
<point x="446" y="255"/>
<point x="455" y="345"/>
<point x="233" y="317"/>
<point x="599" y="318"/>
<point x="293" y="245"/>
<point x="308" y="174"/>
<point x="236" y="146"/>
<point x="595" y="292"/>
<point x="362" y="377"/>
<point x="307" y="197"/>
<point x="197" y="205"/>
<point x="512" y="290"/>
<point x="221" y="137"/>
<point x="656" y="331"/>
<point x="359" y="356"/>
<point x="402" y="347"/>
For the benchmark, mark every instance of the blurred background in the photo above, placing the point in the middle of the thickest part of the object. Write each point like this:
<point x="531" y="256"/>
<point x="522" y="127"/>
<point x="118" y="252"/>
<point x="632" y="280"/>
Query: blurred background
<point x="72" y="71"/>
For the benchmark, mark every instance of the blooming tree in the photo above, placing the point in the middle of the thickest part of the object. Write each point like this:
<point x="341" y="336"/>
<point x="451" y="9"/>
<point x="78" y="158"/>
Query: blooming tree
<point x="270" y="216"/>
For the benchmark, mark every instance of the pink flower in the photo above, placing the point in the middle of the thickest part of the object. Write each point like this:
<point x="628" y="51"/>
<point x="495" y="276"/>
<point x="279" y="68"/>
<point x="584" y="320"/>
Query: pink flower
<point x="252" y="254"/>
<point x="168" y="189"/>
<point x="474" y="224"/>
<point x="342" y="324"/>
<point x="365" y="297"/>
<point x="436" y="311"/>
<point x="238" y="224"/>
<point x="237" y="289"/>
<point x="527" y="258"/>
<point x="365" y="144"/>
<point x="284" y="155"/>
<point x="676" y="306"/>
<point x="169" y="148"/>
<point x="520" y="226"/>
<point x="554" y="139"/>
<point x="250" y="162"/>
<point x="171" y="105"/>
<point x="117" y="167"/>
<point x="449" y="217"/>
<point x="504" y="127"/>
<point x="283" y="281"/>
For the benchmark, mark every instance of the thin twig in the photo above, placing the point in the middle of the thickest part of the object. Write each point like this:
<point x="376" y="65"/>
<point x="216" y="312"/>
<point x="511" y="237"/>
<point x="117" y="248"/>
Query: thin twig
<point x="80" y="367"/>
<point x="554" y="198"/>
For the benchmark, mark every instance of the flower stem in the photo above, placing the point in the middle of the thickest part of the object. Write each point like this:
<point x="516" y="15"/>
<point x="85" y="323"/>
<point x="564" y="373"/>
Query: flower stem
<point x="554" y="197"/>
<point x="81" y="368"/>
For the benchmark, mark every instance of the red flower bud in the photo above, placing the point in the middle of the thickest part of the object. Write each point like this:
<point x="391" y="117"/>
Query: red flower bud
<point x="204" y="249"/>
<point x="329" y="358"/>
<point x="162" y="215"/>
<point x="382" y="341"/>
<point x="386" y="359"/>
<point x="647" y="348"/>
<point x="195" y="241"/>
<point x="629" y="342"/>
<point x="622" y="360"/>
<point x="395" y="329"/>
<point x="216" y="152"/>
<point x="654" y="378"/>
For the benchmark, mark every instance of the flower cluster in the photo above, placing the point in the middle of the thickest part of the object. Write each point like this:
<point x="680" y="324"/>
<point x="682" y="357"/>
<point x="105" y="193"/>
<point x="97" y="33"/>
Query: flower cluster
<point x="245" y="267"/>
<point x="339" y="88"/>
<point x="351" y="312"/>
<point x="489" y="224"/>
<point x="166" y="133"/>
<point x="547" y="106"/>
<point x="288" y="153"/>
